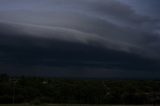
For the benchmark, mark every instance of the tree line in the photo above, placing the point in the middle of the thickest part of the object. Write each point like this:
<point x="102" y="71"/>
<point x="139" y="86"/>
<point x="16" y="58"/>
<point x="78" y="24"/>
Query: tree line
<point x="38" y="90"/>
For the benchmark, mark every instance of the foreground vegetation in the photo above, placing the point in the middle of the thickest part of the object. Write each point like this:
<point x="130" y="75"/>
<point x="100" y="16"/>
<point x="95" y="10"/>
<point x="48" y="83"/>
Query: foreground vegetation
<point x="34" y="90"/>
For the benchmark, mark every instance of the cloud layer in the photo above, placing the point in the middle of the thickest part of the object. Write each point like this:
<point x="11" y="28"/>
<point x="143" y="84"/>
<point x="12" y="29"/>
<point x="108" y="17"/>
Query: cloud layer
<point x="105" y="34"/>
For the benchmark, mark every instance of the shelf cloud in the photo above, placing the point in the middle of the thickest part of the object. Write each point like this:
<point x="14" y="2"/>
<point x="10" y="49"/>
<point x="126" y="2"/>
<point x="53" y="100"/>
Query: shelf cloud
<point x="82" y="35"/>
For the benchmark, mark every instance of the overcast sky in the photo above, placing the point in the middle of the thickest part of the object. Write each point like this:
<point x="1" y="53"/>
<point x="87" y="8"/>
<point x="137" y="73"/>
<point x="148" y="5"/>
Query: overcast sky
<point x="80" y="38"/>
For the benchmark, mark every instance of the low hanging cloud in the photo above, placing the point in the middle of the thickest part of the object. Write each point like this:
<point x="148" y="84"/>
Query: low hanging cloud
<point x="71" y="32"/>
<point x="110" y="22"/>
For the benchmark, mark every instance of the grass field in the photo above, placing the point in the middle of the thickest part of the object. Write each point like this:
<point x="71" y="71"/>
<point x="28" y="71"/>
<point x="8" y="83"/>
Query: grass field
<point x="69" y="105"/>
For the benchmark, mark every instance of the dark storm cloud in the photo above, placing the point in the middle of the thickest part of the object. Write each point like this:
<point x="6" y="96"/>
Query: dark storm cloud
<point x="32" y="51"/>
<point x="111" y="22"/>
<point x="145" y="7"/>
<point x="79" y="35"/>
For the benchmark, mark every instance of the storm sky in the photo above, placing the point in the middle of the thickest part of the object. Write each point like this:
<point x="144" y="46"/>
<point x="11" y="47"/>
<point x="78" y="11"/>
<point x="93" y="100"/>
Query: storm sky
<point x="80" y="38"/>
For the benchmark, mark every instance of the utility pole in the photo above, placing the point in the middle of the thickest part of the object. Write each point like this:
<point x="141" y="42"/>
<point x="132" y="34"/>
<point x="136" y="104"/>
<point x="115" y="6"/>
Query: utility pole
<point x="14" y="81"/>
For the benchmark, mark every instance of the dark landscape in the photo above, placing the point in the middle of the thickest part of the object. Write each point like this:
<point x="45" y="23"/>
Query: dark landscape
<point x="79" y="52"/>
<point x="37" y="90"/>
